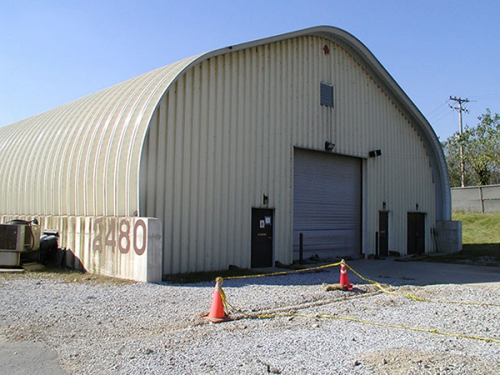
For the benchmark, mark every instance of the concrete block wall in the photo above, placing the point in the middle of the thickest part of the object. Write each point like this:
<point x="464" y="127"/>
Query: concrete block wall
<point x="122" y="247"/>
<point x="476" y="198"/>
<point x="449" y="236"/>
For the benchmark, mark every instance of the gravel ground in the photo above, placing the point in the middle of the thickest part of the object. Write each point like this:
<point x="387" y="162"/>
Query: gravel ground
<point x="94" y="325"/>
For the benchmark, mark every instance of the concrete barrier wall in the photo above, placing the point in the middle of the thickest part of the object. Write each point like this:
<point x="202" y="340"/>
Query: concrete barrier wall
<point x="476" y="198"/>
<point x="123" y="247"/>
<point x="449" y="236"/>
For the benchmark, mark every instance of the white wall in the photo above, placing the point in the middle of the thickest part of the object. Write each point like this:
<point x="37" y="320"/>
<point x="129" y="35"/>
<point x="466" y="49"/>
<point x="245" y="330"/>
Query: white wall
<point x="224" y="135"/>
<point x="122" y="247"/>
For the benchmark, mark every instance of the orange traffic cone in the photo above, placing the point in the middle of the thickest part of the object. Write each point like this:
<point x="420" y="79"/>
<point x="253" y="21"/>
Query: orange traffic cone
<point x="217" y="312"/>
<point x="344" y="280"/>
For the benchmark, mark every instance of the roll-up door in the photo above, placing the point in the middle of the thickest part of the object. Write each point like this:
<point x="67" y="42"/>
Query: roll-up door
<point x="327" y="204"/>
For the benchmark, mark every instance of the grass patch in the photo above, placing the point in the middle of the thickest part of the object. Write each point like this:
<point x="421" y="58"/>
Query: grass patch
<point x="473" y="254"/>
<point x="480" y="239"/>
<point x="479" y="228"/>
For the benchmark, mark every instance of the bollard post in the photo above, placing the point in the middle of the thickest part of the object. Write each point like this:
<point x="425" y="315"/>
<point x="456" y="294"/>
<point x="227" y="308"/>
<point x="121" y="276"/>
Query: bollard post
<point x="301" y="248"/>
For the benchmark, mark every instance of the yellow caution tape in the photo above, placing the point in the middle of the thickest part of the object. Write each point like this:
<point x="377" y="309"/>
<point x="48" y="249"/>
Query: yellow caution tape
<point x="280" y="273"/>
<point x="218" y="287"/>
<point x="469" y="303"/>
<point x="397" y="326"/>
<point x="375" y="283"/>
<point x="352" y="319"/>
<point x="408" y="295"/>
<point x="416" y="298"/>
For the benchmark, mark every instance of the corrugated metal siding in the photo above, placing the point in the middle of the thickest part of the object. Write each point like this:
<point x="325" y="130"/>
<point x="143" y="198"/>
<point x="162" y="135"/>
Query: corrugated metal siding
<point x="227" y="138"/>
<point x="221" y="136"/>
<point x="82" y="158"/>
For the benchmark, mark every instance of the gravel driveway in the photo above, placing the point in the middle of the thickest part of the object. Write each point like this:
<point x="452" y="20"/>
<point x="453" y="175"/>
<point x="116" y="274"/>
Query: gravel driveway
<point x="83" y="324"/>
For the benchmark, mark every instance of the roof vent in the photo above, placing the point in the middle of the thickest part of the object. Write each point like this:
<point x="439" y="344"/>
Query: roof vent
<point x="326" y="94"/>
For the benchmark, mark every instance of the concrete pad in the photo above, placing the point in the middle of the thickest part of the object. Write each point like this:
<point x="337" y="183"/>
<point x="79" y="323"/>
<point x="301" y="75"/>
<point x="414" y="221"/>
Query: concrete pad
<point x="11" y="270"/>
<point x="425" y="273"/>
<point x="28" y="358"/>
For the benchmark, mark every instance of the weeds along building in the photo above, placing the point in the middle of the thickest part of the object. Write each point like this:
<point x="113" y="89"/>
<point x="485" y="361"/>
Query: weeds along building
<point x="237" y="156"/>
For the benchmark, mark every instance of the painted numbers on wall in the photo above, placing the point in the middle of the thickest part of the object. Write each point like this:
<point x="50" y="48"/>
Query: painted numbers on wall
<point x="107" y="234"/>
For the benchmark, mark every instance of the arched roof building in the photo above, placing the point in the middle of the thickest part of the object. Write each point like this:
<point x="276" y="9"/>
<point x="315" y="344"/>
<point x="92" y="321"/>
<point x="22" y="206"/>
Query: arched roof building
<point x="212" y="142"/>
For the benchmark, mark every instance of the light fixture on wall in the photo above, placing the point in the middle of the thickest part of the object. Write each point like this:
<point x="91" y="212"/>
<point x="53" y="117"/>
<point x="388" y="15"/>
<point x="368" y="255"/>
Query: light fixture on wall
<point x="384" y="206"/>
<point x="265" y="200"/>
<point x="416" y="207"/>
<point x="375" y="153"/>
<point x="329" y="146"/>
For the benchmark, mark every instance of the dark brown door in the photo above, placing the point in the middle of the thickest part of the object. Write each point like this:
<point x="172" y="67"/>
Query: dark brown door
<point x="383" y="233"/>
<point x="262" y="238"/>
<point x="416" y="233"/>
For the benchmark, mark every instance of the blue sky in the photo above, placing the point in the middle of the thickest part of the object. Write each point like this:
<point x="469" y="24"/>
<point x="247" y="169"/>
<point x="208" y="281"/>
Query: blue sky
<point x="55" y="51"/>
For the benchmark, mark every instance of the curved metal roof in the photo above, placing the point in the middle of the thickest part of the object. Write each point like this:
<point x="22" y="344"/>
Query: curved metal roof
<point x="54" y="163"/>
<point x="62" y="150"/>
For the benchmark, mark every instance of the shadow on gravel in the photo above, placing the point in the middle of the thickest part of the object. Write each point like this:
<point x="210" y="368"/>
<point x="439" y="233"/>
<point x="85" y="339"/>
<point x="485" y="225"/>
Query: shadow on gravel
<point x="263" y="278"/>
<point x="387" y="271"/>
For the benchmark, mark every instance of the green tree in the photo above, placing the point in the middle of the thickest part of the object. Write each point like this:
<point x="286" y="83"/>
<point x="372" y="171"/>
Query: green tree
<point x="481" y="152"/>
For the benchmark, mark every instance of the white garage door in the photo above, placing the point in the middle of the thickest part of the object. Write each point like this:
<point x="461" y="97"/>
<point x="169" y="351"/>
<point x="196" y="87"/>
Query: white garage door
<point x="327" y="204"/>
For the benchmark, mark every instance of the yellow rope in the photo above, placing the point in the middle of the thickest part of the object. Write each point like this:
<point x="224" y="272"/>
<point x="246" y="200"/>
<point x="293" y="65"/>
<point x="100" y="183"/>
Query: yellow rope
<point x="218" y="288"/>
<point x="280" y="273"/>
<point x="469" y="303"/>
<point x="397" y="326"/>
<point x="375" y="283"/>
<point x="408" y="295"/>
<point x="414" y="297"/>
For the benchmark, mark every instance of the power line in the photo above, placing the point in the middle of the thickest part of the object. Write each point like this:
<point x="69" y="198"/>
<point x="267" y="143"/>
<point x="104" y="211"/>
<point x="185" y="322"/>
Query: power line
<point x="487" y="96"/>
<point x="440" y="108"/>
<point x="442" y="115"/>
<point x="443" y="112"/>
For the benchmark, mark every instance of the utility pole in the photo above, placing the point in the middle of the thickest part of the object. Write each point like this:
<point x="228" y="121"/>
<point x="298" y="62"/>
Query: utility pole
<point x="460" y="109"/>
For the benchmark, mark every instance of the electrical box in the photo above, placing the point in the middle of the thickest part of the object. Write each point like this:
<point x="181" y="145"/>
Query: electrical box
<point x="19" y="237"/>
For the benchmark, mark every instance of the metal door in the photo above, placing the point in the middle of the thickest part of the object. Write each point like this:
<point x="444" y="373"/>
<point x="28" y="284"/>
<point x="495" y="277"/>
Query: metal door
<point x="416" y="233"/>
<point x="262" y="238"/>
<point x="383" y="233"/>
<point x="326" y="204"/>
